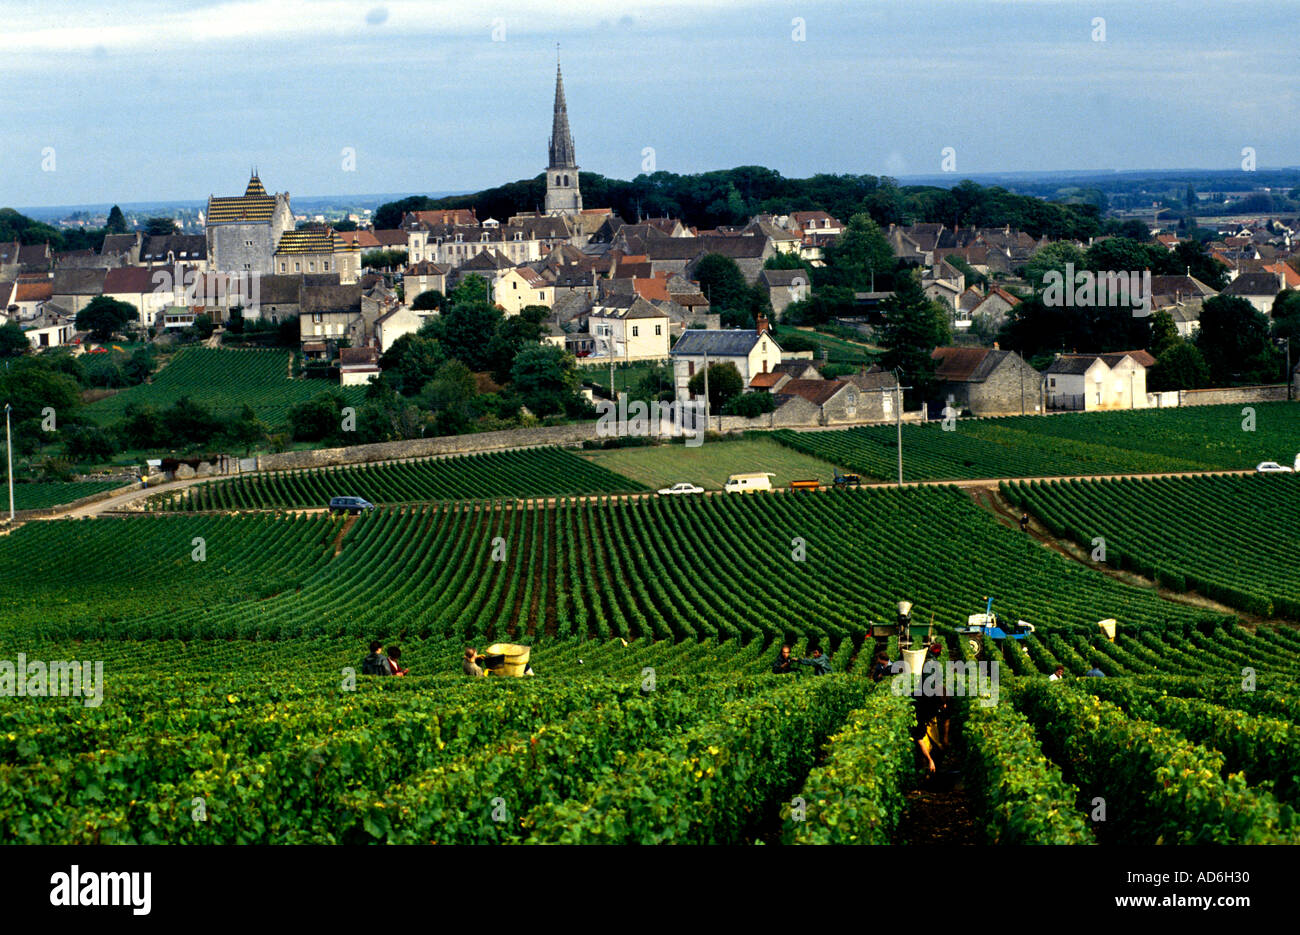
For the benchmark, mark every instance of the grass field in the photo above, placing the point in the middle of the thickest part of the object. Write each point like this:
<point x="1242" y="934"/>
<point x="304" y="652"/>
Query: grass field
<point x="839" y="350"/>
<point x="224" y="381"/>
<point x="709" y="464"/>
<point x="48" y="494"/>
<point x="1144" y="441"/>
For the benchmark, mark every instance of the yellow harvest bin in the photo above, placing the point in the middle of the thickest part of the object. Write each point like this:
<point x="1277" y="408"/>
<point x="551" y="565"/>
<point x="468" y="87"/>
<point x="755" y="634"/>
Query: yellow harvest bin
<point x="516" y="659"/>
<point x="1108" y="627"/>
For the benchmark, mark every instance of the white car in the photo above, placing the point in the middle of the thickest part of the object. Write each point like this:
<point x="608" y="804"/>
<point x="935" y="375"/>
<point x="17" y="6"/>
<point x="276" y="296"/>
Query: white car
<point x="681" y="488"/>
<point x="1272" y="467"/>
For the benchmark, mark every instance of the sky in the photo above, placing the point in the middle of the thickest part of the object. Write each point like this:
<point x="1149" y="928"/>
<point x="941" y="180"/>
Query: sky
<point x="133" y="101"/>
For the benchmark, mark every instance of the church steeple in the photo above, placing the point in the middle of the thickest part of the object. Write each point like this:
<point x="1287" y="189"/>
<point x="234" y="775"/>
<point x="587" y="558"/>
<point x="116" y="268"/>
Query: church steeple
<point x="562" y="193"/>
<point x="561" y="143"/>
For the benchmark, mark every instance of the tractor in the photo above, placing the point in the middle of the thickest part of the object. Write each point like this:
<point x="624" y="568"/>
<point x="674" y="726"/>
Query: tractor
<point x="989" y="624"/>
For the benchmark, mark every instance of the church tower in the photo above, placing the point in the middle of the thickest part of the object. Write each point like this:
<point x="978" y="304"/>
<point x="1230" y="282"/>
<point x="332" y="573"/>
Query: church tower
<point x="562" y="194"/>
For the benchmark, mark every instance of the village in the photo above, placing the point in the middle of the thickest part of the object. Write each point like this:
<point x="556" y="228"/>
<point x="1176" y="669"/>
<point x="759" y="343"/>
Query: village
<point x="629" y="291"/>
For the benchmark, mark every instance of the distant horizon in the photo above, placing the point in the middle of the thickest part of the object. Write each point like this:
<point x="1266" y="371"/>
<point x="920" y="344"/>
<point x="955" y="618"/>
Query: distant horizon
<point x="943" y="180"/>
<point x="139" y="104"/>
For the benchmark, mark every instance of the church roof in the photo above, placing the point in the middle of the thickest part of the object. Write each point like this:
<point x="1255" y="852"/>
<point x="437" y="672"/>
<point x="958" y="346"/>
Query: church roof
<point x="561" y="143"/>
<point x="253" y="207"/>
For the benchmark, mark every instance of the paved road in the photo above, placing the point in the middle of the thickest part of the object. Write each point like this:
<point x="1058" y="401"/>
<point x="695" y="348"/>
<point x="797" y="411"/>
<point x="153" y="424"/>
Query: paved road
<point x="121" y="501"/>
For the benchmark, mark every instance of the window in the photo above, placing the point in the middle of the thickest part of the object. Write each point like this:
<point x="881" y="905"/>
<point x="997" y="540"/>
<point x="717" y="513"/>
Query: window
<point x="1051" y="381"/>
<point x="635" y="331"/>
<point x="850" y="403"/>
<point x="297" y="267"/>
<point x="658" y="330"/>
<point x="690" y="368"/>
<point x="316" y="317"/>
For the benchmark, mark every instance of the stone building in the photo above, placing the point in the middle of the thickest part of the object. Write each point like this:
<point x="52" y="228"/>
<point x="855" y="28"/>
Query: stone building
<point x="986" y="381"/>
<point x="243" y="232"/>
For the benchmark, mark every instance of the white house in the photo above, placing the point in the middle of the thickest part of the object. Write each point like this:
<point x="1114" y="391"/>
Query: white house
<point x="633" y="331"/>
<point x="1098" y="381"/>
<point x="751" y="351"/>
<point x="392" y="325"/>
<point x="520" y="287"/>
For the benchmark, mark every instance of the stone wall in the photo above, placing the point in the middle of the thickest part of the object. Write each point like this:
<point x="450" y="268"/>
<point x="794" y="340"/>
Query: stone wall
<point x="1234" y="395"/>
<point x="427" y="447"/>
<point x="1012" y="388"/>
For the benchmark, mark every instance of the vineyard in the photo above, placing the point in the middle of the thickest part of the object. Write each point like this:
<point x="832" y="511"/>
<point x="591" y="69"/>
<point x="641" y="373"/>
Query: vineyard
<point x="224" y="381"/>
<point x="523" y="473"/>
<point x="1145" y="441"/>
<point x="647" y="743"/>
<point x="231" y="710"/>
<point x="1234" y="539"/>
<point x="47" y="494"/>
<point x="708" y="568"/>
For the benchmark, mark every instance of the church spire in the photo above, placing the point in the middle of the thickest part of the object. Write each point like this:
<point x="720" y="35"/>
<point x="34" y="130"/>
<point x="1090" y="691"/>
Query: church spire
<point x="561" y="143"/>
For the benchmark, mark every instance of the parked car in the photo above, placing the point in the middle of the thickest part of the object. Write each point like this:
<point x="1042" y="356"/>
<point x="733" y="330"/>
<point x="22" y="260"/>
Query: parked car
<point x="681" y="488"/>
<point x="1272" y="467"/>
<point x="349" y="505"/>
<point x="747" y="483"/>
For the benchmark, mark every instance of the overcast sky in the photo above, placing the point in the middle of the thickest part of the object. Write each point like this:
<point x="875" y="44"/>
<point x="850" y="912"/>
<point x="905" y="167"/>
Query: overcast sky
<point x="136" y="101"/>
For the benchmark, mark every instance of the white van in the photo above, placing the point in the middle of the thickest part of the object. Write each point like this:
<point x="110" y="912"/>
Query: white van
<point x="745" y="483"/>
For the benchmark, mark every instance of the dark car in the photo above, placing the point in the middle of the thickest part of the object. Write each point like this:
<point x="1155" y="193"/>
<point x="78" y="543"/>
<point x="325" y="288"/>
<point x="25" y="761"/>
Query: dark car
<point x="349" y="505"/>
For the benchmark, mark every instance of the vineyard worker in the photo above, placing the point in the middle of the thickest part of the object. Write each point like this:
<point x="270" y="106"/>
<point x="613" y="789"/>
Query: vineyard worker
<point x="394" y="657"/>
<point x="821" y="665"/>
<point x="881" y="669"/>
<point x="1057" y="674"/>
<point x="1095" y="672"/>
<point x="784" y="665"/>
<point x="376" y="663"/>
<point x="470" y="665"/>
<point x="1024" y="522"/>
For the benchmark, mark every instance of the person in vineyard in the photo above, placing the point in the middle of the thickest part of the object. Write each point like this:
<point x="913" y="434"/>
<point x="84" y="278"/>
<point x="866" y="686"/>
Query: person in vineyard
<point x="1057" y="674"/>
<point x="1024" y="522"/>
<point x="1095" y="672"/>
<point x="821" y="664"/>
<point x="784" y="664"/>
<point x="394" y="660"/>
<point x="881" y="669"/>
<point x="470" y="665"/>
<point x="376" y="663"/>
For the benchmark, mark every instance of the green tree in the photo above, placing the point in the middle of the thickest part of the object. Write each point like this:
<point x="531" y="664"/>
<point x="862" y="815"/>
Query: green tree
<point x="13" y="340"/>
<point x="861" y="257"/>
<point x="143" y="427"/>
<point x="1179" y="366"/>
<point x="103" y="317"/>
<point x="428" y="301"/>
<point x="88" y="443"/>
<point x="1164" y="332"/>
<point x="1286" y="319"/>
<point x="913" y="327"/>
<point x="190" y="423"/>
<point x="465" y="322"/>
<point x="725" y="383"/>
<point x="451" y="397"/>
<point x="411" y="362"/>
<point x="724" y="285"/>
<point x="31" y="385"/>
<point x="160" y="227"/>
<point x="1052" y="258"/>
<point x="116" y="222"/>
<point x="246" y="430"/>
<point x="749" y="404"/>
<point x="1234" y="340"/>
<point x="513" y="334"/>
<point x="318" y="419"/>
<point x="546" y="380"/>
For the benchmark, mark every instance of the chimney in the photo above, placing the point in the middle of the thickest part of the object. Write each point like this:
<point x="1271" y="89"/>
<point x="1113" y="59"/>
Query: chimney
<point x="760" y="323"/>
<point x="996" y="346"/>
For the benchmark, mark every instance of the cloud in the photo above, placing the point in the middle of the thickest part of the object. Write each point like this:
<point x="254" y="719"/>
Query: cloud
<point x="377" y="16"/>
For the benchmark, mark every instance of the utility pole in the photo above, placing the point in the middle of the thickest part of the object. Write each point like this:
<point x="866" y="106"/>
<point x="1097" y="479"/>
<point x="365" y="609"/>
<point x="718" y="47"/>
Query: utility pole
<point x="706" y="391"/>
<point x="897" y="392"/>
<point x="9" y="448"/>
